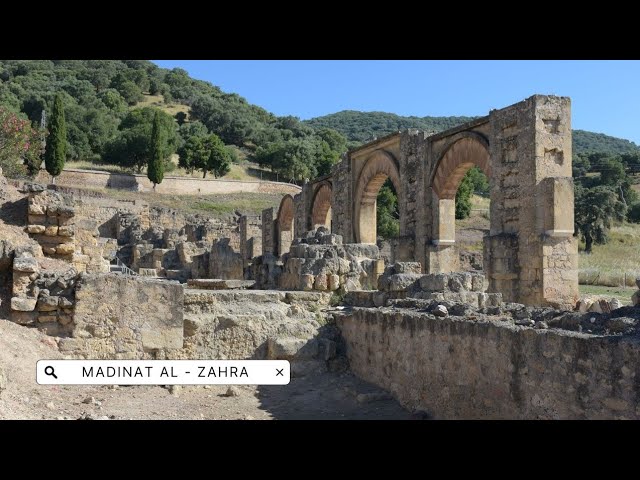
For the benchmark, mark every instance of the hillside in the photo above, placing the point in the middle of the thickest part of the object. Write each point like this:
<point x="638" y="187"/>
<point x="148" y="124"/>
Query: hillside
<point x="109" y="107"/>
<point x="361" y="127"/>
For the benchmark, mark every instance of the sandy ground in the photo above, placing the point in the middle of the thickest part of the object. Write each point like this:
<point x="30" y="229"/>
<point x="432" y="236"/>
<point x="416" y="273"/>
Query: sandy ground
<point x="321" y="396"/>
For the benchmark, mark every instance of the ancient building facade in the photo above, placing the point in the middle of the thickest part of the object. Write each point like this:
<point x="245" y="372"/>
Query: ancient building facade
<point x="524" y="149"/>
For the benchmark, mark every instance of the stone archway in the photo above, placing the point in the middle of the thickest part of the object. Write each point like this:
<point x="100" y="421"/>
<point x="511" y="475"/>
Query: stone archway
<point x="470" y="150"/>
<point x="284" y="224"/>
<point x="321" y="207"/>
<point x="378" y="167"/>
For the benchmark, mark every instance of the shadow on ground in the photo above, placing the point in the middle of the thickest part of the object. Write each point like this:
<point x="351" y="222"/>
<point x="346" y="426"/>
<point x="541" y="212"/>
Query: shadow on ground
<point x="330" y="396"/>
<point x="14" y="213"/>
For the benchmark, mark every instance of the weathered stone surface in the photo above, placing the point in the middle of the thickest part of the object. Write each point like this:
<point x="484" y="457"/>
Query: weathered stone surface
<point x="440" y="311"/>
<point x="51" y="230"/>
<point x="48" y="303"/>
<point x="65" y="249"/>
<point x="22" y="304"/>
<point x="36" y="229"/>
<point x="597" y="304"/>
<point x="530" y="255"/>
<point x="491" y="369"/>
<point x="66" y="231"/>
<point x="25" y="264"/>
<point x="218" y="284"/>
<point x="3" y="380"/>
<point x="306" y="282"/>
<point x="290" y="348"/>
<point x="146" y="318"/>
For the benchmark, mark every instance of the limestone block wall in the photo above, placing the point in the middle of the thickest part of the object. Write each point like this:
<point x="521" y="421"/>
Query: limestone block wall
<point x="319" y="261"/>
<point x="250" y="237"/>
<point x="268" y="231"/>
<point x="51" y="221"/>
<point x="341" y="200"/>
<point x="225" y="260"/>
<point x="42" y="298"/>
<point x="532" y="198"/>
<point x="456" y="368"/>
<point x="122" y="317"/>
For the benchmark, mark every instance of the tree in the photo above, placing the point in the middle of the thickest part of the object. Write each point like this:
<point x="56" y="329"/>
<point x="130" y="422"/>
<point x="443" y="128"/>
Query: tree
<point x="130" y="148"/>
<point x="595" y="210"/>
<point x="463" y="197"/>
<point x="56" y="150"/>
<point x="387" y="216"/>
<point x="20" y="145"/>
<point x="207" y="154"/>
<point x="181" y="117"/>
<point x="192" y="153"/>
<point x="219" y="160"/>
<point x="155" y="168"/>
<point x="633" y="215"/>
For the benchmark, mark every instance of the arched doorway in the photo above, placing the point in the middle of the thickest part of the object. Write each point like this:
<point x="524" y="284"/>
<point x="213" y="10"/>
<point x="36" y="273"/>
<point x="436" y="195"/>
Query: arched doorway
<point x="284" y="224"/>
<point x="378" y="167"/>
<point x="470" y="150"/>
<point x="321" y="207"/>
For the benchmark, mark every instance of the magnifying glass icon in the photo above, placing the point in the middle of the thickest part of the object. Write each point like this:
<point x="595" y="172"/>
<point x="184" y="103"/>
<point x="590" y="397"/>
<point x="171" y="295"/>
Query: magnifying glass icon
<point x="50" y="371"/>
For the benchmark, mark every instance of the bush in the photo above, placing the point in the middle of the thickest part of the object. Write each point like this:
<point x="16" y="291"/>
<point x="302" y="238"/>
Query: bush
<point x="633" y="215"/>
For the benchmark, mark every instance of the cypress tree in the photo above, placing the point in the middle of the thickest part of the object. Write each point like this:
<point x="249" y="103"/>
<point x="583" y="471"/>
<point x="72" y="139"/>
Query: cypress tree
<point x="155" y="167"/>
<point x="56" y="148"/>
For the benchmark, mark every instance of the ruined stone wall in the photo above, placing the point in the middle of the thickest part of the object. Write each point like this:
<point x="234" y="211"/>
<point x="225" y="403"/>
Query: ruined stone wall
<point x="532" y="203"/>
<point x="51" y="221"/>
<point x="465" y="369"/>
<point x="171" y="185"/>
<point x="319" y="261"/>
<point x="268" y="231"/>
<point x="250" y="237"/>
<point x="122" y="317"/>
<point x="341" y="200"/>
<point x="225" y="260"/>
<point x="42" y="291"/>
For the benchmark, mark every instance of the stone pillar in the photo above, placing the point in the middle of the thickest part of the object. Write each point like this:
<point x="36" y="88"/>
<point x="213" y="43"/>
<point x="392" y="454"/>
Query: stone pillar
<point x="531" y="255"/>
<point x="268" y="231"/>
<point x="342" y="201"/>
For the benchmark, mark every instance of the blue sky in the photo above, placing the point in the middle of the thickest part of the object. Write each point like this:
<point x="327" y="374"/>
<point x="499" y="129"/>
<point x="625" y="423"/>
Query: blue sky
<point x="605" y="94"/>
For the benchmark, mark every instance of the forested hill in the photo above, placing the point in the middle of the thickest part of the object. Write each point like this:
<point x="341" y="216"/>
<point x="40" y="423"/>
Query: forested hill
<point x="363" y="126"/>
<point x="110" y="106"/>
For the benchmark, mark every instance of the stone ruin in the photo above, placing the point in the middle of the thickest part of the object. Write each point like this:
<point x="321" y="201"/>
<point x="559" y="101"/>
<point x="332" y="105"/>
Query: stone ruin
<point x="510" y="342"/>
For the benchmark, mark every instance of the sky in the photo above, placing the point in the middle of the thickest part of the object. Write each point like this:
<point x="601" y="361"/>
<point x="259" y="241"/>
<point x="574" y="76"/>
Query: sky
<point x="605" y="94"/>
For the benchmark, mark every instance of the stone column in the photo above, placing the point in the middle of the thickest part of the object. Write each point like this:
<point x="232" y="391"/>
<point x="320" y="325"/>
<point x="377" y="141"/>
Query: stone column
<point x="531" y="255"/>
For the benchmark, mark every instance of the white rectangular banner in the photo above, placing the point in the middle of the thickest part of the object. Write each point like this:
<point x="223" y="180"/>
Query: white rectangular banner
<point x="163" y="372"/>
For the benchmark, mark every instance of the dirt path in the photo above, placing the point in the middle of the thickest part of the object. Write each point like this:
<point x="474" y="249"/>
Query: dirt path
<point x="321" y="396"/>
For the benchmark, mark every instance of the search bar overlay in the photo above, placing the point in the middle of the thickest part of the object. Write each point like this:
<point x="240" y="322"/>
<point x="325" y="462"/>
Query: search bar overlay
<point x="163" y="372"/>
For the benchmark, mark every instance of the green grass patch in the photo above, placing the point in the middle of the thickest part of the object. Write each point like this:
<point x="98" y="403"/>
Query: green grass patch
<point x="621" y="293"/>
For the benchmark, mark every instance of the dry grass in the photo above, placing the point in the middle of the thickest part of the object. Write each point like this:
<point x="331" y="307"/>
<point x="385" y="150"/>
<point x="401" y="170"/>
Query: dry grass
<point x="219" y="205"/>
<point x="158" y="102"/>
<point x="621" y="293"/>
<point x="243" y="171"/>
<point x="609" y="263"/>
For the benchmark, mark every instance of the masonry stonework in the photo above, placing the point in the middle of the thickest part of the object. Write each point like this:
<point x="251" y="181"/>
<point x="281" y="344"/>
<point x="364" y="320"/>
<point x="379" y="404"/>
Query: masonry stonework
<point x="530" y="254"/>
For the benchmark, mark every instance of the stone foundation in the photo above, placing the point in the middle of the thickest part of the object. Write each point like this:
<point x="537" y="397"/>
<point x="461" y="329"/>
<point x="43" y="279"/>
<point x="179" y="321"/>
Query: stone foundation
<point x="478" y="367"/>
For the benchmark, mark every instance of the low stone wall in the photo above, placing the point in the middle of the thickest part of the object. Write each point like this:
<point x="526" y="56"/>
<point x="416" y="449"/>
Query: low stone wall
<point x="457" y="368"/>
<point x="122" y="317"/>
<point x="173" y="185"/>
<point x="259" y="324"/>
